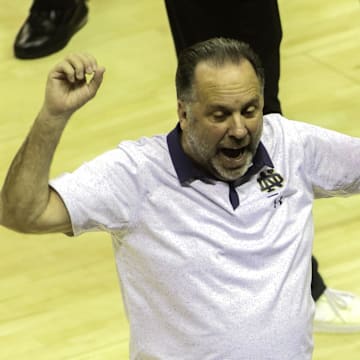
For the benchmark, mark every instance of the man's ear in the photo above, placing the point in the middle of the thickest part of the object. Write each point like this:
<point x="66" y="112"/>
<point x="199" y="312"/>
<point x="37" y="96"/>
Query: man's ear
<point x="182" y="114"/>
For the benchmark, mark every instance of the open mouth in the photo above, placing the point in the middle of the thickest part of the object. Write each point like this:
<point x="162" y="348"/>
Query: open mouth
<point x="232" y="153"/>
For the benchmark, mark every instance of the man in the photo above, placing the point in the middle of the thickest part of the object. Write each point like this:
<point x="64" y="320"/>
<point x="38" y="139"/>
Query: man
<point x="258" y="23"/>
<point x="52" y="23"/>
<point x="204" y="220"/>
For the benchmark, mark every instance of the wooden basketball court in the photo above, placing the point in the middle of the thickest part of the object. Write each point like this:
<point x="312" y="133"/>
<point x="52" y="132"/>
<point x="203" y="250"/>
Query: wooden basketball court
<point x="59" y="296"/>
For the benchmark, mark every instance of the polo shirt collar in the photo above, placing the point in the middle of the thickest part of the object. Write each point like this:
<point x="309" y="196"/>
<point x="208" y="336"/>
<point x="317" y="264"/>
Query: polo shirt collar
<point x="187" y="170"/>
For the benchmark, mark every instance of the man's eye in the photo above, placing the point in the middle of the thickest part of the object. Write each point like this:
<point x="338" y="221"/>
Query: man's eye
<point x="249" y="111"/>
<point x="219" y="115"/>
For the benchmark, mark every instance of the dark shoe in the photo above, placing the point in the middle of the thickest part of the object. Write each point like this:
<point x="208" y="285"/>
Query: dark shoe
<point x="49" y="29"/>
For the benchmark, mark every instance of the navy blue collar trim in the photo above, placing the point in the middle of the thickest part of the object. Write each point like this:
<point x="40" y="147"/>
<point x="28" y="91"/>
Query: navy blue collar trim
<point x="187" y="170"/>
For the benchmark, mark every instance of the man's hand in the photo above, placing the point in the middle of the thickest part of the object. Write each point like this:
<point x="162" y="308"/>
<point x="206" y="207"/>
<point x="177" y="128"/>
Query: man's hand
<point x="67" y="87"/>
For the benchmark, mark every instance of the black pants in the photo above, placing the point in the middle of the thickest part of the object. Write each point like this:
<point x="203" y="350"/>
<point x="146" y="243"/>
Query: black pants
<point x="256" y="22"/>
<point x="49" y="4"/>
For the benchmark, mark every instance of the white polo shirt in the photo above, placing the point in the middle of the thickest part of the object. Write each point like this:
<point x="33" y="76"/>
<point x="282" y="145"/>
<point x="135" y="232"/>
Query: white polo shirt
<point x="210" y="270"/>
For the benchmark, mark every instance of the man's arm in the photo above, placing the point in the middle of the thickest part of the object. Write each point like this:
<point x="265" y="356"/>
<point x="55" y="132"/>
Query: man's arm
<point x="27" y="204"/>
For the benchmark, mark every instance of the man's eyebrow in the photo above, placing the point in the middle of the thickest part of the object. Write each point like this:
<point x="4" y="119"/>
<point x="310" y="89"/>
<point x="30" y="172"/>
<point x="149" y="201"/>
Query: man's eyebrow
<point x="212" y="107"/>
<point x="253" y="101"/>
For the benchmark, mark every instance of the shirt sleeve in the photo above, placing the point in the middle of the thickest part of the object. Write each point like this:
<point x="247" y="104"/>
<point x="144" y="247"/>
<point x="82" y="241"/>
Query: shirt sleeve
<point x="332" y="161"/>
<point x="101" y="194"/>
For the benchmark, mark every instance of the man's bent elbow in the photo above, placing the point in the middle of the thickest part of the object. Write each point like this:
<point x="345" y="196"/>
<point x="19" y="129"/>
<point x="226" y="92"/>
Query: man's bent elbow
<point x="13" y="218"/>
<point x="48" y="216"/>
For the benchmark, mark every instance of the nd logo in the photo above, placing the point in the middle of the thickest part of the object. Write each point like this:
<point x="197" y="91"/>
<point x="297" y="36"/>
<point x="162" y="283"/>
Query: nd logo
<point x="270" y="180"/>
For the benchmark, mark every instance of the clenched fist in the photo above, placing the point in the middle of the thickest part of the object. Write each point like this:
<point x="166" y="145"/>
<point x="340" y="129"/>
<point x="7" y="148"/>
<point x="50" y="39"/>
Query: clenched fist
<point x="72" y="83"/>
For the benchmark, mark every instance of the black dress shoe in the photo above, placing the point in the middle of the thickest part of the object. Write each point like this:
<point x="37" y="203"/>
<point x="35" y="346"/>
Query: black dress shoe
<point x="48" y="29"/>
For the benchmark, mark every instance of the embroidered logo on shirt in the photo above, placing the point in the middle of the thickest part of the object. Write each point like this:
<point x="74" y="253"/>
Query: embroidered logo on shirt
<point x="270" y="180"/>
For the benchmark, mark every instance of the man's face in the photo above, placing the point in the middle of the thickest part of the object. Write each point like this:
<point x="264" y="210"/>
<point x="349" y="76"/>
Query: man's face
<point x="221" y="128"/>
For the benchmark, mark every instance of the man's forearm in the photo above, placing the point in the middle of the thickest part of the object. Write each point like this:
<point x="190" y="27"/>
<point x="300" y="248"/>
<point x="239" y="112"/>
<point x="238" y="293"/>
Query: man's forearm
<point x="25" y="194"/>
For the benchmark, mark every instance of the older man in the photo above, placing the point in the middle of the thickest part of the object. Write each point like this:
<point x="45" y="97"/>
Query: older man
<point x="211" y="223"/>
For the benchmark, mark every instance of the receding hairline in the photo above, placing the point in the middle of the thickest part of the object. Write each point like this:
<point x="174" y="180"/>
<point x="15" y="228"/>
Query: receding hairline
<point x="217" y="52"/>
<point x="215" y="63"/>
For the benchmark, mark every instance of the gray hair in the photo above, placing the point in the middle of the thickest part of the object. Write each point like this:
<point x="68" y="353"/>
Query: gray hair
<point x="217" y="52"/>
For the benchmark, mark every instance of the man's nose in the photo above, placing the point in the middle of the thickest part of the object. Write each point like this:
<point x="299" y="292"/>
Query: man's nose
<point x="237" y="127"/>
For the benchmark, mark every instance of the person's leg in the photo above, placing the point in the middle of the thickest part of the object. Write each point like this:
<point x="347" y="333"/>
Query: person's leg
<point x="253" y="21"/>
<point x="49" y="27"/>
<point x="52" y="3"/>
<point x="318" y="286"/>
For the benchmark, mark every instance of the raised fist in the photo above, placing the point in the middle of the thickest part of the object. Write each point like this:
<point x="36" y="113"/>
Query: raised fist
<point x="72" y="83"/>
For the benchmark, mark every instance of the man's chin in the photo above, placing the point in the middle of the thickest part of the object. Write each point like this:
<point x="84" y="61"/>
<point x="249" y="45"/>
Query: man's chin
<point x="229" y="173"/>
